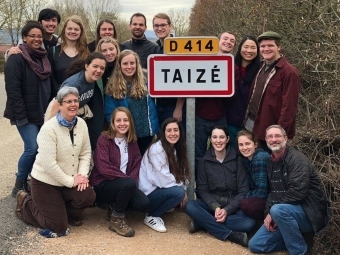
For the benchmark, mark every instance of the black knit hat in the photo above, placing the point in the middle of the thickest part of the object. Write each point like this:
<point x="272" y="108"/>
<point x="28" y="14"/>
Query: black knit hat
<point x="269" y="35"/>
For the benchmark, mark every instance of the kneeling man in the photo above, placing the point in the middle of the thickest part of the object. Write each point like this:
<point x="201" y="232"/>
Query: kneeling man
<point x="296" y="206"/>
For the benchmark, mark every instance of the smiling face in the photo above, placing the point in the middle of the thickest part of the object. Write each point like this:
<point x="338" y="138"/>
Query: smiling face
<point x="269" y="50"/>
<point x="50" y="25"/>
<point x="69" y="107"/>
<point x="172" y="133"/>
<point x="128" y="65"/>
<point x="121" y="124"/>
<point x="275" y="140"/>
<point x="161" y="28"/>
<point x="248" y="51"/>
<point x="106" y="30"/>
<point x="72" y="31"/>
<point x="227" y="42"/>
<point x="109" y="51"/>
<point x="34" y="38"/>
<point x="94" y="70"/>
<point x="246" y="146"/>
<point x="218" y="140"/>
<point x="137" y="27"/>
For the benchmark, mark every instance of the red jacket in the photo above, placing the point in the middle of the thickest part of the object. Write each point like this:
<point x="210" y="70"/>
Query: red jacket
<point x="106" y="160"/>
<point x="279" y="100"/>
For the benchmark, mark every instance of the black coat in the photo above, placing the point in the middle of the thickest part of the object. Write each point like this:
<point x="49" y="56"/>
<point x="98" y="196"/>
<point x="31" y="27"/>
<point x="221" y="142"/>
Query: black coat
<point x="143" y="48"/>
<point x="22" y="88"/>
<point x="222" y="184"/>
<point x="303" y="187"/>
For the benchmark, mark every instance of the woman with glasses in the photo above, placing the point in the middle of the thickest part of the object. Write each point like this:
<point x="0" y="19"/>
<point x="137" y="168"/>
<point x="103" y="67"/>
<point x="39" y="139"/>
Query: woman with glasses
<point x="28" y="87"/>
<point x="60" y="190"/>
<point x="221" y="184"/>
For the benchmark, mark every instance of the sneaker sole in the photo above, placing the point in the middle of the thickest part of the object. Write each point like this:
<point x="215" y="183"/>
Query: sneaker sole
<point x="156" y="229"/>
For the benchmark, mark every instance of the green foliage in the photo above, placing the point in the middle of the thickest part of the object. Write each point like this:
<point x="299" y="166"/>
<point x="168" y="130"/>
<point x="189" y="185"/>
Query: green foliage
<point x="311" y="33"/>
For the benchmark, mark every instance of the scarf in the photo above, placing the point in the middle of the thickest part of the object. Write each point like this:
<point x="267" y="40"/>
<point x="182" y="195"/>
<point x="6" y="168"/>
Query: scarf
<point x="28" y="52"/>
<point x="65" y="123"/>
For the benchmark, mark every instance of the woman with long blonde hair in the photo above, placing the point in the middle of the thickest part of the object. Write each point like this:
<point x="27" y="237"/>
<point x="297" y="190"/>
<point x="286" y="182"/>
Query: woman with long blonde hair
<point x="127" y="87"/>
<point x="73" y="46"/>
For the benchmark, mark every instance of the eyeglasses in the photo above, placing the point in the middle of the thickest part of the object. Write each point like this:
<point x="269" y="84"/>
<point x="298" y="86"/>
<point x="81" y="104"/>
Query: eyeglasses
<point x="76" y="101"/>
<point x="36" y="36"/>
<point x="274" y="136"/>
<point x="160" y="26"/>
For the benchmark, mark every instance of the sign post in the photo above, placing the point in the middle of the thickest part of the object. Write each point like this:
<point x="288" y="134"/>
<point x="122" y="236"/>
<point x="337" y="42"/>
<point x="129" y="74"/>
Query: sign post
<point x="190" y="69"/>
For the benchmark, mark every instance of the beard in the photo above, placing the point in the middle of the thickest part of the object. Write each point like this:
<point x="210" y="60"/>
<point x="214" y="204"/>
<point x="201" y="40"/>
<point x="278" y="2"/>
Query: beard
<point x="277" y="147"/>
<point x="137" y="34"/>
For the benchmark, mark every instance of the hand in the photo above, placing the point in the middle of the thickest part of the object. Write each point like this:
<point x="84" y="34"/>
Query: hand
<point x="81" y="181"/>
<point x="14" y="50"/>
<point x="220" y="214"/>
<point x="269" y="223"/>
<point x="184" y="201"/>
<point x="177" y="114"/>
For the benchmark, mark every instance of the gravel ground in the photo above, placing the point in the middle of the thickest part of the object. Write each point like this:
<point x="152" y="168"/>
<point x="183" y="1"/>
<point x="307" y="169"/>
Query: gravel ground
<point x="93" y="237"/>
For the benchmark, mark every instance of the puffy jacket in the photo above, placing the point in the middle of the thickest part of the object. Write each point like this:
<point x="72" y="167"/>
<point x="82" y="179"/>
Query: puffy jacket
<point x="22" y="87"/>
<point x="303" y="187"/>
<point x="222" y="184"/>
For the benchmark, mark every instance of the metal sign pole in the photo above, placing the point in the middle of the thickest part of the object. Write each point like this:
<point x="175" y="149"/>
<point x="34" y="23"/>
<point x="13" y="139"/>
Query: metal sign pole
<point x="190" y="137"/>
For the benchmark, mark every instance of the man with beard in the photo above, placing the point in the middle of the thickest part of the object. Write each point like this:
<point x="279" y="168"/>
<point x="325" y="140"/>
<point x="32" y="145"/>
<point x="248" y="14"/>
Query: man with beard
<point x="296" y="206"/>
<point x="139" y="43"/>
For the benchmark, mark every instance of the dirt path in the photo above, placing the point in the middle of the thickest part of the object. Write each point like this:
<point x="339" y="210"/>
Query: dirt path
<point x="93" y="237"/>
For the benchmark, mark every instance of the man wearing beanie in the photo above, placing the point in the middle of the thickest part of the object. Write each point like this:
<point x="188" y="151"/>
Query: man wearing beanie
<point x="275" y="91"/>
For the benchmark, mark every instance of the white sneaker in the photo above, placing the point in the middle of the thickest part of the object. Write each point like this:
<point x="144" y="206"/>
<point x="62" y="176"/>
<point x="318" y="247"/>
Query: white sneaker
<point x="156" y="223"/>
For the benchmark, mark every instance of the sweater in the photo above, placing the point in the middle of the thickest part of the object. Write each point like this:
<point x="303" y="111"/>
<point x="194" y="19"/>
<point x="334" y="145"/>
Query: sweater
<point x="155" y="172"/>
<point x="107" y="161"/>
<point x="58" y="159"/>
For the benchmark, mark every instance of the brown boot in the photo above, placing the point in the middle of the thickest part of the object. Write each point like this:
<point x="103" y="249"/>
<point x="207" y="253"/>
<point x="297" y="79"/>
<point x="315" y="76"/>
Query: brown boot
<point x="21" y="195"/>
<point x="109" y="212"/>
<point x="118" y="225"/>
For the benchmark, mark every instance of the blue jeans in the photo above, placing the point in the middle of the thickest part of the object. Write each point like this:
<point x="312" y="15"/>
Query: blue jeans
<point x="291" y="222"/>
<point x="162" y="200"/>
<point x="167" y="112"/>
<point x="28" y="133"/>
<point x="203" y="216"/>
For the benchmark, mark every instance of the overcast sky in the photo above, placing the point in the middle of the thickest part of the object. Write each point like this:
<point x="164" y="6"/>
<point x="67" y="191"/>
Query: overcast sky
<point x="151" y="7"/>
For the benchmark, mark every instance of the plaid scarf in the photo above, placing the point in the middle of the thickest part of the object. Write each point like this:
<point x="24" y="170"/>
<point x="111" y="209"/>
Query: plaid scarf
<point x="28" y="52"/>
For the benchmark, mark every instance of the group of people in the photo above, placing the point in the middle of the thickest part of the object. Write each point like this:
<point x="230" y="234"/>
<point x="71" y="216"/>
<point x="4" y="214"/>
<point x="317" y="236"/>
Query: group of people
<point x="72" y="101"/>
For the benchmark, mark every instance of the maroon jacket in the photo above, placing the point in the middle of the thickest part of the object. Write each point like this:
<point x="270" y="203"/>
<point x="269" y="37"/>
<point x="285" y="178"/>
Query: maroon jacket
<point x="279" y="101"/>
<point x="107" y="161"/>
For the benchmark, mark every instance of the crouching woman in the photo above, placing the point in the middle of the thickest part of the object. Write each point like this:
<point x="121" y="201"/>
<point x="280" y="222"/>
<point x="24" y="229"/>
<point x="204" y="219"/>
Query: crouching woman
<point x="221" y="184"/>
<point x="115" y="174"/>
<point x="60" y="190"/>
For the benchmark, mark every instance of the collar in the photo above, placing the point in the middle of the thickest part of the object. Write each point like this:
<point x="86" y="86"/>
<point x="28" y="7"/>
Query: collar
<point x="276" y="158"/>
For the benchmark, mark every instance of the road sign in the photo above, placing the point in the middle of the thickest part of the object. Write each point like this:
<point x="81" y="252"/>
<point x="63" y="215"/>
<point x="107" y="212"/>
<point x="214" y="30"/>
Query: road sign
<point x="191" y="45"/>
<point x="191" y="76"/>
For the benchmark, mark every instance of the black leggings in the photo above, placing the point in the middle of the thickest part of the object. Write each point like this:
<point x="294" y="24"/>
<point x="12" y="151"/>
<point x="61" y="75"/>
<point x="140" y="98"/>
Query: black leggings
<point x="124" y="193"/>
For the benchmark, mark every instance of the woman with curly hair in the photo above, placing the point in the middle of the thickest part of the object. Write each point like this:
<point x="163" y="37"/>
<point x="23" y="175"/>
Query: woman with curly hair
<point x="127" y="87"/>
<point x="164" y="173"/>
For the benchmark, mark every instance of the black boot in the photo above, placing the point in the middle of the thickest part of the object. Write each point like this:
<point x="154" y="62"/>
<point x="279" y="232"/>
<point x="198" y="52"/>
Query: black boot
<point x="19" y="185"/>
<point x="239" y="238"/>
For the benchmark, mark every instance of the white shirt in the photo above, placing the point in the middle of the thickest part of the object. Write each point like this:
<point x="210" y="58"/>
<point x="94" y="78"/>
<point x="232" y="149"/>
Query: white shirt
<point x="123" y="147"/>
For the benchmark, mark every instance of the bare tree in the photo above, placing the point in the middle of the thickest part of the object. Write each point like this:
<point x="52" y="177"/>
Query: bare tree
<point x="180" y="21"/>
